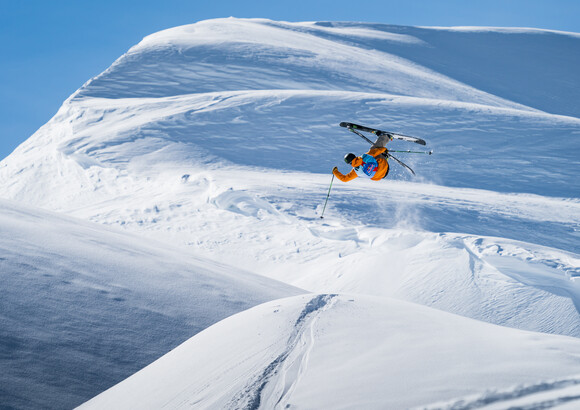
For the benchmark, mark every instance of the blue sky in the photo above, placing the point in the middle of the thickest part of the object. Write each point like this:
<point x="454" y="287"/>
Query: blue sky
<point x="48" y="49"/>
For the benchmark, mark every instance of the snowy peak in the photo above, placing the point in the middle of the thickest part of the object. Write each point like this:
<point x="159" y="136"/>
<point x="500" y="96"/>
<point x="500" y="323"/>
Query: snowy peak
<point x="270" y="94"/>
<point x="242" y="54"/>
<point x="236" y="54"/>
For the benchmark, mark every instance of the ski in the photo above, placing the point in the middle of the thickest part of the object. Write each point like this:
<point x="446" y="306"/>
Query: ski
<point x="402" y="163"/>
<point x="396" y="135"/>
<point x="386" y="153"/>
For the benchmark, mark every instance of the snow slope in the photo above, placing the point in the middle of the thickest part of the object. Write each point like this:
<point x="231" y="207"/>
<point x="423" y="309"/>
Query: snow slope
<point x="220" y="137"/>
<point x="85" y="306"/>
<point x="347" y="352"/>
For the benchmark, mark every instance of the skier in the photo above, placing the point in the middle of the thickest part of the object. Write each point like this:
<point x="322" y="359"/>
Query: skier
<point x="373" y="164"/>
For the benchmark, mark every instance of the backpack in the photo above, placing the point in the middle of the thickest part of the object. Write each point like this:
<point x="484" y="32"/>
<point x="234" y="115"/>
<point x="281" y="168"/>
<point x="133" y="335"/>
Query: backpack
<point x="368" y="167"/>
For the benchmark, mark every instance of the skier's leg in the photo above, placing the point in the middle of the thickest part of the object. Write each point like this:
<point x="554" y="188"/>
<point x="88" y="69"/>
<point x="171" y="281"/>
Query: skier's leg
<point x="381" y="142"/>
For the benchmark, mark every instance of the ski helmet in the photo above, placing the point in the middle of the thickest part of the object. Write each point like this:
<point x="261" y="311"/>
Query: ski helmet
<point x="349" y="157"/>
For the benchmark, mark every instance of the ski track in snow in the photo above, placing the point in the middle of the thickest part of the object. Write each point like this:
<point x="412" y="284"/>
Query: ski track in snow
<point x="272" y="388"/>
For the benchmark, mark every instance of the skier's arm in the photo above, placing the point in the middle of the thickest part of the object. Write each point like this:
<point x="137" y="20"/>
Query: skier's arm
<point x="344" y="178"/>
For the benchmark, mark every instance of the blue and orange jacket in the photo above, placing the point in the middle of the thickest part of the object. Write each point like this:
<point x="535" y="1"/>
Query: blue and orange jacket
<point x="372" y="165"/>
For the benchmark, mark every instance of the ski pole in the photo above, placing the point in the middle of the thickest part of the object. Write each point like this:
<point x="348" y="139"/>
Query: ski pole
<point x="327" y="195"/>
<point x="414" y="152"/>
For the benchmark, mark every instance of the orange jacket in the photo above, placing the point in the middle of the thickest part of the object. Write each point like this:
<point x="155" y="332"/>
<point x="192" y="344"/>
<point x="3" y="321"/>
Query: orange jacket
<point x="382" y="169"/>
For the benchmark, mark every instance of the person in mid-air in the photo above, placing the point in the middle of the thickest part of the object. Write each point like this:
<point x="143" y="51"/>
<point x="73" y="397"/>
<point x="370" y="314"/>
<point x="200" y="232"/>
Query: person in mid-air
<point x="373" y="164"/>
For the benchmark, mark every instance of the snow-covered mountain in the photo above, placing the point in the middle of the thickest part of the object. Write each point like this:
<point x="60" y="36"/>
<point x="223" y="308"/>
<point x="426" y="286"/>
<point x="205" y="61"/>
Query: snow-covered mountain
<point x="217" y="139"/>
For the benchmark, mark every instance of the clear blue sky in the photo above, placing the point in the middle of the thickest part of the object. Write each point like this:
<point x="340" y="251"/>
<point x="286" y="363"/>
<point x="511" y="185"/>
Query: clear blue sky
<point x="48" y="49"/>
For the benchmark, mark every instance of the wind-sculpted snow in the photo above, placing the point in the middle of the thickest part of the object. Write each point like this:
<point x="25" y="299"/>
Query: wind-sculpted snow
<point x="465" y="65"/>
<point x="84" y="307"/>
<point x="230" y="55"/>
<point x="268" y="224"/>
<point x="219" y="138"/>
<point x="352" y="352"/>
<point x="532" y="67"/>
<point x="543" y="395"/>
<point x="93" y="140"/>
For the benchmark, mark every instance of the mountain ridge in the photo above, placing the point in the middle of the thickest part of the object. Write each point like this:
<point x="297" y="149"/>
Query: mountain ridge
<point x="218" y="139"/>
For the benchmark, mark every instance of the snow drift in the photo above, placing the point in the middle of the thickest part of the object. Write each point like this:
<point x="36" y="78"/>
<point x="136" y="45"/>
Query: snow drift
<point x="345" y="352"/>
<point x="84" y="306"/>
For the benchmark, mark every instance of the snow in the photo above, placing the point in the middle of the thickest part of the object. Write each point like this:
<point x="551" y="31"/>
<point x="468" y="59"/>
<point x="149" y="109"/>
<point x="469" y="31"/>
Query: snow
<point x="84" y="306"/>
<point x="344" y="352"/>
<point x="184" y="185"/>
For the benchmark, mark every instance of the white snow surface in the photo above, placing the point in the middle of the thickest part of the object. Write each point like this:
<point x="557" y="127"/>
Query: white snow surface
<point x="344" y="352"/>
<point x="206" y="150"/>
<point x="83" y="305"/>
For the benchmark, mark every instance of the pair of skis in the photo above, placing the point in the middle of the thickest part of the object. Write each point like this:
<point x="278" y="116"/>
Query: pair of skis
<point x="358" y="129"/>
